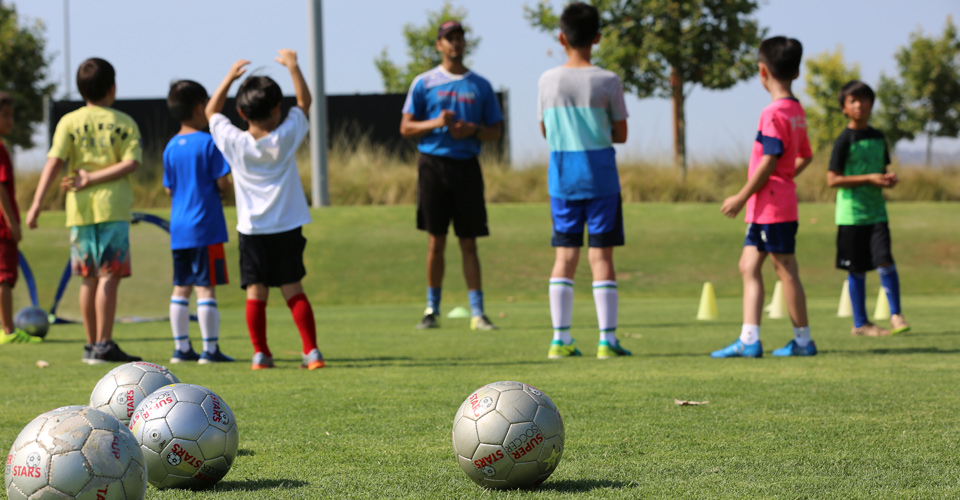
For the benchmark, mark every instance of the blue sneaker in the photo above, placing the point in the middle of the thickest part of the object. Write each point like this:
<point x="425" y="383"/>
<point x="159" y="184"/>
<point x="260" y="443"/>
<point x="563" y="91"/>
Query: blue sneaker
<point x="792" y="349"/>
<point x="183" y="356"/>
<point x="740" y="350"/>
<point x="214" y="357"/>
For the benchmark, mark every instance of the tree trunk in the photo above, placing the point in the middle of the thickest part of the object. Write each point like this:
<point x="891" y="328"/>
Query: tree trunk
<point x="929" y="149"/>
<point x="679" y="136"/>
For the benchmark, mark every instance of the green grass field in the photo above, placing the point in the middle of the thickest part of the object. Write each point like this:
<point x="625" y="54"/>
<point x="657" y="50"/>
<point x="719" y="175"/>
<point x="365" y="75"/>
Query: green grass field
<point x="867" y="418"/>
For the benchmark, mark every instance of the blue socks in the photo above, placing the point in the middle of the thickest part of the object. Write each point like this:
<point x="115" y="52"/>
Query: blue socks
<point x="476" y="302"/>
<point x="858" y="298"/>
<point x="433" y="299"/>
<point x="891" y="285"/>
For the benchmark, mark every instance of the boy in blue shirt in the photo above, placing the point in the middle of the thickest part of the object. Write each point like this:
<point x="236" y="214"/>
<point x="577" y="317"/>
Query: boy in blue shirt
<point x="582" y="114"/>
<point x="194" y="174"/>
<point x="451" y="110"/>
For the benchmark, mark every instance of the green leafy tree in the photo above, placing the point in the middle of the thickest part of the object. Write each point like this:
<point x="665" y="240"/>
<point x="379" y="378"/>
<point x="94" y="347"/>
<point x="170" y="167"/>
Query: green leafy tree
<point x="421" y="49"/>
<point x="925" y="100"/>
<point x="826" y="74"/>
<point x="664" y="48"/>
<point x="23" y="73"/>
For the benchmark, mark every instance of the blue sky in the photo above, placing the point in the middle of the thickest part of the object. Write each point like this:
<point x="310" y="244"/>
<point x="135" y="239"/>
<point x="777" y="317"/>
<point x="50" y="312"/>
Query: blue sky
<point x="152" y="43"/>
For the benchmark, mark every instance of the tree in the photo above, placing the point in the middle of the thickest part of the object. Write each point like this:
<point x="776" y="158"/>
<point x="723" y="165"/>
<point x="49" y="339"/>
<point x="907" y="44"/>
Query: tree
<point x="826" y="74"/>
<point x="23" y="73"/>
<point x="421" y="49"/>
<point x="664" y="48"/>
<point x="926" y="98"/>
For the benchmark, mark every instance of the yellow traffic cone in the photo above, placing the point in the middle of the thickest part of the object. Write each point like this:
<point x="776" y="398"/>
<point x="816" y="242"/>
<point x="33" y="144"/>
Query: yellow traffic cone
<point x="883" y="307"/>
<point x="708" y="303"/>
<point x="845" y="310"/>
<point x="777" y="309"/>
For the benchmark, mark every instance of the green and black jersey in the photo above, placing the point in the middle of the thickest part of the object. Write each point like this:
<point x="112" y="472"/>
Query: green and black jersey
<point x="860" y="152"/>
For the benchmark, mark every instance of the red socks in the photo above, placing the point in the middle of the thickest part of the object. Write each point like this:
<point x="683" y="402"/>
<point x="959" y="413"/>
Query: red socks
<point x="303" y="316"/>
<point x="257" y="325"/>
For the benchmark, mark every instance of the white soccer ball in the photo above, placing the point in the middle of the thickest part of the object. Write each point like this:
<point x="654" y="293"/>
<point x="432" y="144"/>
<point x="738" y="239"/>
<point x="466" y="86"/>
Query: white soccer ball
<point x="508" y="435"/>
<point x="75" y="452"/>
<point x="188" y="436"/>
<point x="124" y="387"/>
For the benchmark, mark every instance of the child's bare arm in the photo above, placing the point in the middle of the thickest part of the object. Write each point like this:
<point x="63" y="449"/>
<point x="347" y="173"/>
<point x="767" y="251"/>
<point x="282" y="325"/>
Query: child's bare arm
<point x="733" y="204"/>
<point x="618" y="132"/>
<point x="801" y="164"/>
<point x="223" y="184"/>
<point x="50" y="169"/>
<point x="836" y="180"/>
<point x="288" y="58"/>
<point x="219" y="97"/>
<point x="82" y="179"/>
<point x="6" y="208"/>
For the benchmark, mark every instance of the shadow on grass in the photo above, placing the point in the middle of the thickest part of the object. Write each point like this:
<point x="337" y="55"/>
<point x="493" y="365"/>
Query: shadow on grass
<point x="260" y="484"/>
<point x="408" y="362"/>
<point x="680" y="324"/>
<point x="894" y="350"/>
<point x="581" y="485"/>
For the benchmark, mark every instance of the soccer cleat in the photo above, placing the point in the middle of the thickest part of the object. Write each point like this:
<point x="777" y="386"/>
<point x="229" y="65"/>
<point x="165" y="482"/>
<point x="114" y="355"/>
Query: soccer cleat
<point x="182" y="356"/>
<point x="261" y="361"/>
<point x="482" y="324"/>
<point x="560" y="350"/>
<point x="793" y="349"/>
<point x="313" y="360"/>
<point x="19" y="337"/>
<point x="606" y="351"/>
<point x="429" y="321"/>
<point x="87" y="353"/>
<point x="110" y="352"/>
<point x="898" y="325"/>
<point x="869" y="330"/>
<point x="740" y="350"/>
<point x="207" y="358"/>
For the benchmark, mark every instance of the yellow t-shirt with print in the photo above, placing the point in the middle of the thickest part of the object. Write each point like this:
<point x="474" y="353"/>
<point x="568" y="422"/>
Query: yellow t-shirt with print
<point x="92" y="138"/>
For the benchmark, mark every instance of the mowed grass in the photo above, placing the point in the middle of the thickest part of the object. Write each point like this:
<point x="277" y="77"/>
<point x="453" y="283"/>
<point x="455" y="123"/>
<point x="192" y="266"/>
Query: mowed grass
<point x="867" y="418"/>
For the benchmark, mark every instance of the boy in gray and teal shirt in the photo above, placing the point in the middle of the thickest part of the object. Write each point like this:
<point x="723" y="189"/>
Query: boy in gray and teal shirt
<point x="858" y="169"/>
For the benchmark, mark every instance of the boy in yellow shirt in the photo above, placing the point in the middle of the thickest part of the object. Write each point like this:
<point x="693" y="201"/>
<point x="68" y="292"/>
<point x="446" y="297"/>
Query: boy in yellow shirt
<point x="102" y="147"/>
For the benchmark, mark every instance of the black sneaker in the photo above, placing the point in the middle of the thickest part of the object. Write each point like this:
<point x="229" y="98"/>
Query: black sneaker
<point x="87" y="353"/>
<point x="429" y="321"/>
<point x="109" y="351"/>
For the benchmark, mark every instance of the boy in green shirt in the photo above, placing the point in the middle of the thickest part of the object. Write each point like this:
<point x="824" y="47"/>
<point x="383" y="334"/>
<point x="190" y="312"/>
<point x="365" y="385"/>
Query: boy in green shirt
<point x="858" y="169"/>
<point x="102" y="147"/>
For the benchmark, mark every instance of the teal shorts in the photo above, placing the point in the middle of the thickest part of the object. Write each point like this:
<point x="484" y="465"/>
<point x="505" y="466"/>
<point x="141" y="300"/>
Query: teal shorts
<point x="100" y="250"/>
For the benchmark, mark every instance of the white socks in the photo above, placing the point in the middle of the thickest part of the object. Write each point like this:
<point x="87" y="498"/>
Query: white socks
<point x="606" y="299"/>
<point x="750" y="334"/>
<point x="209" y="318"/>
<point x="561" y="308"/>
<point x="180" y="323"/>
<point x="801" y="335"/>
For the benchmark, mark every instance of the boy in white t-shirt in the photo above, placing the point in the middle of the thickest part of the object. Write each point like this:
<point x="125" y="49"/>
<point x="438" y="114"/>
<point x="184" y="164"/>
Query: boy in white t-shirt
<point x="271" y="204"/>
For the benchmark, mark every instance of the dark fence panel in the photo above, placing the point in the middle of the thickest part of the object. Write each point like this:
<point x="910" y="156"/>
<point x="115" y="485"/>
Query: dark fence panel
<point x="375" y="117"/>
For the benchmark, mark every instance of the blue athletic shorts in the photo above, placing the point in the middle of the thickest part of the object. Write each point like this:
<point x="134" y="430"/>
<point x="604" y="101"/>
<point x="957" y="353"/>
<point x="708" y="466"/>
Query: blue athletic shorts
<point x="202" y="266"/>
<point x="602" y="216"/>
<point x="773" y="238"/>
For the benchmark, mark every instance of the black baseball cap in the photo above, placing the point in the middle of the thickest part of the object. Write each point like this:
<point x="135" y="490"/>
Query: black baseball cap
<point x="447" y="28"/>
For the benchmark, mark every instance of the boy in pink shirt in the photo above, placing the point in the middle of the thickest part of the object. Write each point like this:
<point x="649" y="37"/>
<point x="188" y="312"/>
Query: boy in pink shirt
<point x="781" y="151"/>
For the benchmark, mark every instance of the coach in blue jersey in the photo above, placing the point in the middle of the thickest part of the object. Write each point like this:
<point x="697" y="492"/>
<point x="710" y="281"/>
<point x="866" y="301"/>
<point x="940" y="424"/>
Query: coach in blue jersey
<point x="451" y="110"/>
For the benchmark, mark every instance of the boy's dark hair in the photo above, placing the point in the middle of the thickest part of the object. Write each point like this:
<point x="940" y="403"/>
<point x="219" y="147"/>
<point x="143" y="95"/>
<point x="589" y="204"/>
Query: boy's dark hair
<point x="580" y="23"/>
<point x="94" y="78"/>
<point x="782" y="56"/>
<point x="5" y="99"/>
<point x="183" y="97"/>
<point x="856" y="88"/>
<point x="257" y="96"/>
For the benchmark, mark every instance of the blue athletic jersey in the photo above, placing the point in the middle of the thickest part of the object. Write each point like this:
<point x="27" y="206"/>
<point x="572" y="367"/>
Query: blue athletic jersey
<point x="191" y="166"/>
<point x="469" y="96"/>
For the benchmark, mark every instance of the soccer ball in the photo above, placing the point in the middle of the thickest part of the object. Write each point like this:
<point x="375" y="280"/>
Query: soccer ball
<point x="188" y="436"/>
<point x="75" y="452"/>
<point x="508" y="435"/>
<point x="124" y="387"/>
<point x="32" y="320"/>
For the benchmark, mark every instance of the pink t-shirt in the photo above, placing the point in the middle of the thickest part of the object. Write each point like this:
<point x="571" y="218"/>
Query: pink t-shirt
<point x="782" y="131"/>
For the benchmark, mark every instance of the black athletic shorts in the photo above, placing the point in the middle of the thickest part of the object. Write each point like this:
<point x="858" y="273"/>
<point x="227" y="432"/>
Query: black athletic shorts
<point x="863" y="248"/>
<point x="450" y="189"/>
<point x="272" y="259"/>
